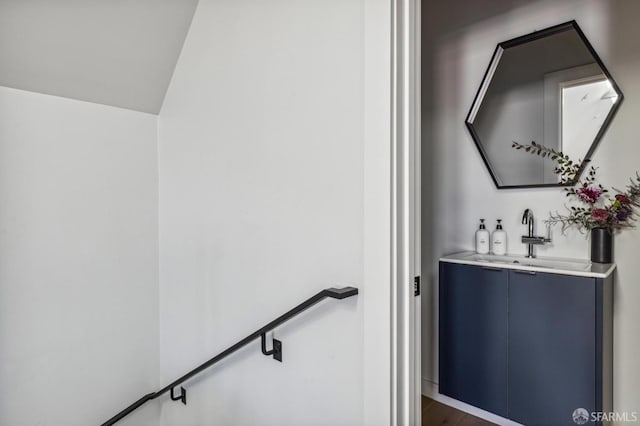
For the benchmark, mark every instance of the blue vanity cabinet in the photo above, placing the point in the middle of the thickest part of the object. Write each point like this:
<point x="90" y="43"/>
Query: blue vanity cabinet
<point x="555" y="347"/>
<point x="529" y="346"/>
<point x="473" y="335"/>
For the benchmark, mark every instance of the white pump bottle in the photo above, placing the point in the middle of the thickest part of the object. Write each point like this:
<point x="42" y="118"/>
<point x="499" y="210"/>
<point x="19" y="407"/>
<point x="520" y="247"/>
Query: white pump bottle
<point x="482" y="239"/>
<point x="499" y="240"/>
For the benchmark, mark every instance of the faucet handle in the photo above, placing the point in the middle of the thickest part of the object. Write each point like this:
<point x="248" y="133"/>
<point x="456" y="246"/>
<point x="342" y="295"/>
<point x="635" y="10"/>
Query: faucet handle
<point x="548" y="237"/>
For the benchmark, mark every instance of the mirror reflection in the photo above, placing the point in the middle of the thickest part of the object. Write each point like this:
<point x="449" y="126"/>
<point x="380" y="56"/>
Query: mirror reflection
<point x="549" y="87"/>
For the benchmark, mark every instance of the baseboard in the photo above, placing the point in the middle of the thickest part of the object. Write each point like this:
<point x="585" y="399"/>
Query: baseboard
<point x="430" y="389"/>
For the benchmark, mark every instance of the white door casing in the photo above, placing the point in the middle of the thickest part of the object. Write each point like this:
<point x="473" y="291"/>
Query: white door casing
<point x="405" y="214"/>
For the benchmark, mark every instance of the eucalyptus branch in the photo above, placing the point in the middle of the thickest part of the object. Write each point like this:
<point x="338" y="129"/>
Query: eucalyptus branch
<point x="566" y="168"/>
<point x="596" y="208"/>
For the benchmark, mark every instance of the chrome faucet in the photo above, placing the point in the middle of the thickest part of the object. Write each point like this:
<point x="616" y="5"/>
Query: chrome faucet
<point x="531" y="240"/>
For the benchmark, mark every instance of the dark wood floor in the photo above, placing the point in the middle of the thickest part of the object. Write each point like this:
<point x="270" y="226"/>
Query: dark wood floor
<point x="435" y="413"/>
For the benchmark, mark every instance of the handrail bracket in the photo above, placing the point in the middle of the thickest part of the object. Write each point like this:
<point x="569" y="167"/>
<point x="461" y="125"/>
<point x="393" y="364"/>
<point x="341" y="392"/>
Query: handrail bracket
<point x="276" y="350"/>
<point x="182" y="397"/>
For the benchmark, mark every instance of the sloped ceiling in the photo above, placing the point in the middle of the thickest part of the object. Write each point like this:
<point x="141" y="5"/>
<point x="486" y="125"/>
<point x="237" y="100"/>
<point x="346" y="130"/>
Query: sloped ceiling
<point x="114" y="52"/>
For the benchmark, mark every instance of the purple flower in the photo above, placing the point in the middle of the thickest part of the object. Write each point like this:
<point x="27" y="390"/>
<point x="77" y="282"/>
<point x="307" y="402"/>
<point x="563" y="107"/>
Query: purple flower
<point x="622" y="214"/>
<point x="599" y="215"/>
<point x="589" y="194"/>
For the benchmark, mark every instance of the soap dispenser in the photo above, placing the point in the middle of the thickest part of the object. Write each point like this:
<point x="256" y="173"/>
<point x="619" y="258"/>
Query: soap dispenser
<point x="482" y="239"/>
<point x="499" y="240"/>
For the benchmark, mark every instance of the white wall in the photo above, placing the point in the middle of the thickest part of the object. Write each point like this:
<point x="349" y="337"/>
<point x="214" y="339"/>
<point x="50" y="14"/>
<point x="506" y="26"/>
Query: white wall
<point x="78" y="261"/>
<point x="119" y="53"/>
<point x="458" y="43"/>
<point x="261" y="205"/>
<point x="377" y="250"/>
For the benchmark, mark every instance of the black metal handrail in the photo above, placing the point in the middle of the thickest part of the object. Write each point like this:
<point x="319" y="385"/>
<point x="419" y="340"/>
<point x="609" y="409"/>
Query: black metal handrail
<point x="276" y="351"/>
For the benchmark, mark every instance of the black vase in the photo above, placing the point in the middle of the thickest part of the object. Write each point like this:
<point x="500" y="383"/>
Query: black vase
<point x="601" y="245"/>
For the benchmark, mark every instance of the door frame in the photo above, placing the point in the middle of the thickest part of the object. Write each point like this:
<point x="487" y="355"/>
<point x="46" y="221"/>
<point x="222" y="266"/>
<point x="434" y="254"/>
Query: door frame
<point x="391" y="344"/>
<point x="405" y="183"/>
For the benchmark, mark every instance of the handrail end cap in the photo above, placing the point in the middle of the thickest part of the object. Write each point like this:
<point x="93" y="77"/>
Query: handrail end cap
<point x="341" y="293"/>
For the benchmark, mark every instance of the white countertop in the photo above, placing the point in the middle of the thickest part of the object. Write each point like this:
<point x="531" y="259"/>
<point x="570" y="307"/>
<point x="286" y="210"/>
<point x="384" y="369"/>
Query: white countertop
<point x="550" y="265"/>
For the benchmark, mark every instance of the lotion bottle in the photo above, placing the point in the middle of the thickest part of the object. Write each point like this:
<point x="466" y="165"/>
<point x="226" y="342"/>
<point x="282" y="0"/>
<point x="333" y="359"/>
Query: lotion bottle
<point x="482" y="239"/>
<point x="499" y="240"/>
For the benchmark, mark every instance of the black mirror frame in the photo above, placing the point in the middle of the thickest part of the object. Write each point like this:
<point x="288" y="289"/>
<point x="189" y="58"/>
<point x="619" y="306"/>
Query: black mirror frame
<point x="486" y="80"/>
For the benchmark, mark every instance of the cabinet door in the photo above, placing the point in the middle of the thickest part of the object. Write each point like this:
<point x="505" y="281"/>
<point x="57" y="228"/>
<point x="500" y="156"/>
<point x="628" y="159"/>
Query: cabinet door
<point x="552" y="352"/>
<point x="473" y="335"/>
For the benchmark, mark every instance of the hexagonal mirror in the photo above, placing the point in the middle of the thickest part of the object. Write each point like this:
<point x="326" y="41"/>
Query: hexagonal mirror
<point x="549" y="87"/>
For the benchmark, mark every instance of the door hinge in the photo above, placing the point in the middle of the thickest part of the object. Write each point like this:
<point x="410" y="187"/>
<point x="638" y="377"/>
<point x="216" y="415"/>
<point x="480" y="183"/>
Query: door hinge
<point x="416" y="286"/>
